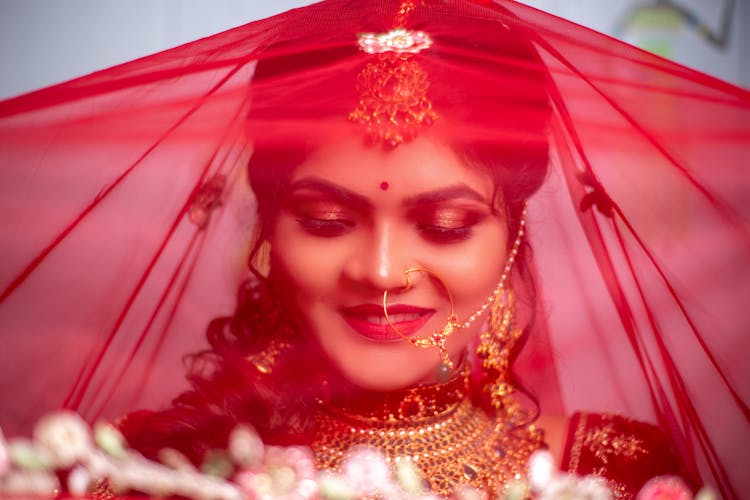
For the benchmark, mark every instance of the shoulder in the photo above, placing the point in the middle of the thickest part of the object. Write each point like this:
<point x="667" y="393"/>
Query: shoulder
<point x="625" y="452"/>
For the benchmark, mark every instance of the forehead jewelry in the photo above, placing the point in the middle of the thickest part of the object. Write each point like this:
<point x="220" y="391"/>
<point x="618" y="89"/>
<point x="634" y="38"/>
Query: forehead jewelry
<point x="439" y="337"/>
<point x="393" y="104"/>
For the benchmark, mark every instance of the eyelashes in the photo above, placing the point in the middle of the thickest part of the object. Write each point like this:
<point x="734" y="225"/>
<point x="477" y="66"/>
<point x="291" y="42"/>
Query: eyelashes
<point x="441" y="226"/>
<point x="326" y="228"/>
<point x="446" y="225"/>
<point x="440" y="234"/>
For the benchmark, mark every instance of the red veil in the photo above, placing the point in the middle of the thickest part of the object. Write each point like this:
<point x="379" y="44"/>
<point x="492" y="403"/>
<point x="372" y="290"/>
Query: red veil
<point x="126" y="220"/>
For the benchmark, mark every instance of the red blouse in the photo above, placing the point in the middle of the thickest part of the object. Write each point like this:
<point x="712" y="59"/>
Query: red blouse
<point x="627" y="453"/>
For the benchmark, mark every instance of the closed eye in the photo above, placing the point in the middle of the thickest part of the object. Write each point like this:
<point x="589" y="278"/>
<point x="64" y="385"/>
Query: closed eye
<point x="444" y="235"/>
<point x="446" y="224"/>
<point x="325" y="228"/>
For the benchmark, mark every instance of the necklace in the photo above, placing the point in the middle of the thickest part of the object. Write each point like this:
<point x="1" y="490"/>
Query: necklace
<point x="437" y="428"/>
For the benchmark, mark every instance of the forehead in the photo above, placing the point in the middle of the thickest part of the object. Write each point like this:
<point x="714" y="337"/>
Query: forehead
<point x="420" y="165"/>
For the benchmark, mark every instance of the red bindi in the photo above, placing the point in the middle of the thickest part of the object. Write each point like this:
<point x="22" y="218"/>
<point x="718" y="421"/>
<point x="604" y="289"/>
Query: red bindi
<point x="384" y="186"/>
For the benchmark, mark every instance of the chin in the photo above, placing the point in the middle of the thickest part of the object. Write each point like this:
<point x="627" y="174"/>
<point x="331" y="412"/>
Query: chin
<point x="381" y="382"/>
<point x="379" y="371"/>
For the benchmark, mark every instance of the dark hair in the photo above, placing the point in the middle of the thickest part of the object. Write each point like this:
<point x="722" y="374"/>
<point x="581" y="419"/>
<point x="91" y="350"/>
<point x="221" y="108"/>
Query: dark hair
<point x="481" y="124"/>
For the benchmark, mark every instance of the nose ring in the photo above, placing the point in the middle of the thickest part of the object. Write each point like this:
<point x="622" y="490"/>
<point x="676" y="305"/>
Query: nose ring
<point x="439" y="337"/>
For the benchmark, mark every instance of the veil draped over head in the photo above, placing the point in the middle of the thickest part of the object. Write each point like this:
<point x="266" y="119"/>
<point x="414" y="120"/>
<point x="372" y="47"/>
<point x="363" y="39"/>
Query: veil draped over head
<point x="127" y="219"/>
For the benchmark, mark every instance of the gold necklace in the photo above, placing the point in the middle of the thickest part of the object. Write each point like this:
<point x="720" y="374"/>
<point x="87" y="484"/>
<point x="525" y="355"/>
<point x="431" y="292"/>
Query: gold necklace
<point x="450" y="440"/>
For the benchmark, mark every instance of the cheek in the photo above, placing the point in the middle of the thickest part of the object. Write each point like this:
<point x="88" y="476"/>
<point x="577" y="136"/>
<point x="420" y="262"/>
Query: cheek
<point x="295" y="263"/>
<point x="307" y="267"/>
<point x="474" y="274"/>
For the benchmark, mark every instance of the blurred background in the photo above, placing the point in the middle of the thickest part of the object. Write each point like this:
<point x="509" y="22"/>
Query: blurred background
<point x="47" y="41"/>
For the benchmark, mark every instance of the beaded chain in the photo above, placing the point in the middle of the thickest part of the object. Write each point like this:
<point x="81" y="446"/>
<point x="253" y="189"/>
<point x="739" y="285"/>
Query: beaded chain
<point x="504" y="277"/>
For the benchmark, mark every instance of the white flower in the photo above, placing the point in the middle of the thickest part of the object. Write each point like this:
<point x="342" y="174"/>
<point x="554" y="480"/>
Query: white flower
<point x="110" y="440"/>
<point x="410" y="478"/>
<point x="245" y="447"/>
<point x="541" y="469"/>
<point x="26" y="454"/>
<point x="65" y="435"/>
<point x="4" y="456"/>
<point x="287" y="473"/>
<point x="515" y="489"/>
<point x="222" y="491"/>
<point x="99" y="464"/>
<point x="571" y="487"/>
<point x="595" y="487"/>
<point x="30" y="483"/>
<point x="79" y="481"/>
<point x="466" y="492"/>
<point x="334" y="487"/>
<point x="175" y="460"/>
<point x="706" y="493"/>
<point x="367" y="471"/>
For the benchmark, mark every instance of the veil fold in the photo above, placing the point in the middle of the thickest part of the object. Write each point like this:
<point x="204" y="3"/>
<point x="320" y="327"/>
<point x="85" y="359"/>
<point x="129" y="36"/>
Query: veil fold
<point x="126" y="220"/>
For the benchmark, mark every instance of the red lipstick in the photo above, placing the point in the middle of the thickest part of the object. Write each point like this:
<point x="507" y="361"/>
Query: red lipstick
<point x="369" y="320"/>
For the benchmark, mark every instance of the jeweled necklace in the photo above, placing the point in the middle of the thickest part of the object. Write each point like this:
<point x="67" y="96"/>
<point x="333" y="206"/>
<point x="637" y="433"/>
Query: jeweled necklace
<point x="436" y="427"/>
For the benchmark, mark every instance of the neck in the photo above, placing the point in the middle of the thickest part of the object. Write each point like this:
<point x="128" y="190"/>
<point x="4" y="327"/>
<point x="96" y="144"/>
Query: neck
<point x="404" y="406"/>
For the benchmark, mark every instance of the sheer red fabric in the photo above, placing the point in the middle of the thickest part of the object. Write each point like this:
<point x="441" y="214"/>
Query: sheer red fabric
<point x="127" y="216"/>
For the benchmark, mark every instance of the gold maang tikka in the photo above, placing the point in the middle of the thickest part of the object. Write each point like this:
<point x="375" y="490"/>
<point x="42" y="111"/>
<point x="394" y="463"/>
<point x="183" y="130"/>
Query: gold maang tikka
<point x="439" y="337"/>
<point x="393" y="104"/>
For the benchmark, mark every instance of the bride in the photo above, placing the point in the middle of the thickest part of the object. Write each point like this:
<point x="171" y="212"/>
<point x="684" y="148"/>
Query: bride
<point x="416" y="265"/>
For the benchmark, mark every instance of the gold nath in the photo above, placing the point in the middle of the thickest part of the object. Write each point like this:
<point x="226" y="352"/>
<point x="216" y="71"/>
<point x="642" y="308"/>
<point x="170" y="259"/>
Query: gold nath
<point x="438" y="338"/>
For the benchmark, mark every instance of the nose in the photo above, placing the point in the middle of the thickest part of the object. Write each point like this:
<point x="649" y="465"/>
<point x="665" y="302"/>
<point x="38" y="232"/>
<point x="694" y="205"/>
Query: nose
<point x="380" y="261"/>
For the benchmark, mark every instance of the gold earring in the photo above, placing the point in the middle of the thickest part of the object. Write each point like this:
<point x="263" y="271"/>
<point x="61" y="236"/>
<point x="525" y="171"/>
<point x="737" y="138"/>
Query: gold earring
<point x="265" y="360"/>
<point x="495" y="345"/>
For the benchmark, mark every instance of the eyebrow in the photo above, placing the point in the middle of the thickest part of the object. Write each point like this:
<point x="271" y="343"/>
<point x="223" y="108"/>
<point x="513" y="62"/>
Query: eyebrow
<point x="458" y="191"/>
<point x="454" y="192"/>
<point x="334" y="191"/>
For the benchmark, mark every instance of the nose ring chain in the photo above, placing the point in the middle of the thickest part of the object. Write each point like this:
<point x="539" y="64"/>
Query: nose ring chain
<point x="439" y="337"/>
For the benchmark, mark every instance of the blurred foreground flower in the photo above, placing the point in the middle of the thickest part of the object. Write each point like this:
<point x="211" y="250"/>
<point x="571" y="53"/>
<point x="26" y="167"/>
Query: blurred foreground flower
<point x="64" y="446"/>
<point x="665" y="488"/>
<point x="66" y="436"/>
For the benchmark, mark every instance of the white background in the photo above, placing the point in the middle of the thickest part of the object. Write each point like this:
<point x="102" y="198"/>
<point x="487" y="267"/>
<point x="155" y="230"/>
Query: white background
<point x="47" y="41"/>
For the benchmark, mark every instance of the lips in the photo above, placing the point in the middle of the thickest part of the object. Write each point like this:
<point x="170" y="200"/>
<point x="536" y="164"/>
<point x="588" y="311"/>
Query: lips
<point x="369" y="320"/>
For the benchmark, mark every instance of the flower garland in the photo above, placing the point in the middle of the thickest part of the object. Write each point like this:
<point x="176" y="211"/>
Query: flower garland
<point x="64" y="446"/>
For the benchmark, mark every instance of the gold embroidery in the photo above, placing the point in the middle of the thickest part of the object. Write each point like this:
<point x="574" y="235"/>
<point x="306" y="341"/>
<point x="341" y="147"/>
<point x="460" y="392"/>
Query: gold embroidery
<point x="575" y="452"/>
<point x="604" y="439"/>
<point x="618" y="489"/>
<point x="606" y="443"/>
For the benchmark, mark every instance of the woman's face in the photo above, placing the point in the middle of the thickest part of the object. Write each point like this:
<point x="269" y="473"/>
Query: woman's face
<point x="355" y="218"/>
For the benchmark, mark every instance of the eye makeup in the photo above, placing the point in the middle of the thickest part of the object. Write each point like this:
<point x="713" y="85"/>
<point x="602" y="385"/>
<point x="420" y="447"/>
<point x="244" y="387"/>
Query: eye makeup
<point x="320" y="216"/>
<point x="444" y="216"/>
<point x="446" y="224"/>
